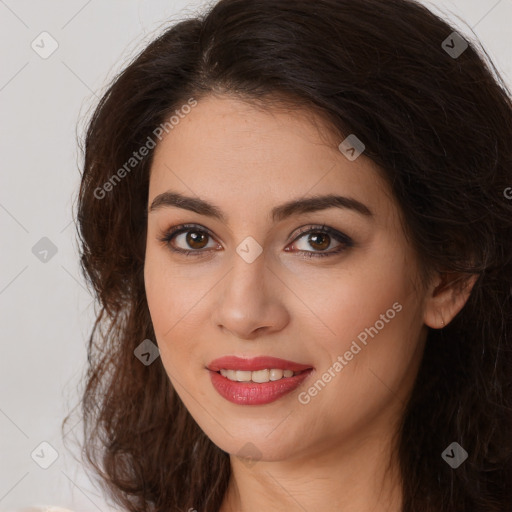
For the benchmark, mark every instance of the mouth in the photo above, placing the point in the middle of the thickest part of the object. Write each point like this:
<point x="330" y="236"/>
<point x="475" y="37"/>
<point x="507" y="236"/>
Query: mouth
<point x="259" y="376"/>
<point x="255" y="364"/>
<point x="256" y="381"/>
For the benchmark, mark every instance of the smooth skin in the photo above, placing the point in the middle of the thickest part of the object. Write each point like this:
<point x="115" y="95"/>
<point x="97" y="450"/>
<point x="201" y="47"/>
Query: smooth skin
<point x="333" y="453"/>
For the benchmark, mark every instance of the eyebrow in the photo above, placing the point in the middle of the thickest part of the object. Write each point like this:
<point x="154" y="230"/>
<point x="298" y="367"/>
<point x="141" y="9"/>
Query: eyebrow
<point x="278" y="213"/>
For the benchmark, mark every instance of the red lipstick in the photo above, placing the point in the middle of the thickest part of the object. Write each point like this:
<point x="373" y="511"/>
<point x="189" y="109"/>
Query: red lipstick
<point x="255" y="393"/>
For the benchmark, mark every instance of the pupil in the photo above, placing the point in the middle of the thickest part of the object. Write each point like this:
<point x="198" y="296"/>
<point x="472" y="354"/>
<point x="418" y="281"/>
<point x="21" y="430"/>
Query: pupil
<point x="322" y="236"/>
<point x="193" y="237"/>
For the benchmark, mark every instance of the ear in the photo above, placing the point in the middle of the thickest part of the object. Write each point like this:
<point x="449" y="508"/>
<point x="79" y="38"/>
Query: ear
<point x="446" y="296"/>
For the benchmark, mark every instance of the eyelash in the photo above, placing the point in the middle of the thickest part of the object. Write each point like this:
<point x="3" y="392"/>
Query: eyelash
<point x="346" y="241"/>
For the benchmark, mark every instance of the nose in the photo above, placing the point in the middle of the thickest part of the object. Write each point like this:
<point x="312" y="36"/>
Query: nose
<point x="250" y="300"/>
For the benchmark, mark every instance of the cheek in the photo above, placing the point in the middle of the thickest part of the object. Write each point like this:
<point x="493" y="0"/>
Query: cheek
<point x="375" y="315"/>
<point x="170" y="292"/>
<point x="156" y="282"/>
<point x="175" y="306"/>
<point x="161" y="284"/>
<point x="174" y="300"/>
<point x="370" y="316"/>
<point x="358" y="305"/>
<point x="347" y="300"/>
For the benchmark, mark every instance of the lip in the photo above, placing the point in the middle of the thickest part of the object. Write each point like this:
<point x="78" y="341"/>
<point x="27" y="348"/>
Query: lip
<point x="254" y="364"/>
<point x="254" y="393"/>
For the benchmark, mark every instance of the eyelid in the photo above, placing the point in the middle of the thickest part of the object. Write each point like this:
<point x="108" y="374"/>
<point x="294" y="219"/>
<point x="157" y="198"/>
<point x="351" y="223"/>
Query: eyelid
<point x="311" y="228"/>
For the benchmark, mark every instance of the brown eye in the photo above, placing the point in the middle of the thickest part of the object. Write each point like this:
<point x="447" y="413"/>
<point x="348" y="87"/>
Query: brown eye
<point x="187" y="239"/>
<point x="196" y="239"/>
<point x="319" y="239"/>
<point x="193" y="240"/>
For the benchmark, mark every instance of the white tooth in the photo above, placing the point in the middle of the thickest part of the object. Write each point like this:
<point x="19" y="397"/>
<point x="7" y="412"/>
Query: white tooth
<point x="243" y="376"/>
<point x="260" y="376"/>
<point x="276" y="374"/>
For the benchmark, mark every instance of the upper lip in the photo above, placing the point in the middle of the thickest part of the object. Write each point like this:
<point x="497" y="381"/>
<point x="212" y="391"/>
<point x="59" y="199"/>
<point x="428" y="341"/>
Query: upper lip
<point x="255" y="364"/>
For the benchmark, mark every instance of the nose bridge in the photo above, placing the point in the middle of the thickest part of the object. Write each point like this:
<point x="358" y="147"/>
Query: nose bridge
<point x="247" y="277"/>
<point x="246" y="303"/>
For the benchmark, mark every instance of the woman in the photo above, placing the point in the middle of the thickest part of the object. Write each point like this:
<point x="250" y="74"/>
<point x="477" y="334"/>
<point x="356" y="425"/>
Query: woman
<point x="295" y="217"/>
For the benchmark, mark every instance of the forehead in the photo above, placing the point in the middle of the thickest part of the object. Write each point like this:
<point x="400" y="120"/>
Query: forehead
<point x="235" y="154"/>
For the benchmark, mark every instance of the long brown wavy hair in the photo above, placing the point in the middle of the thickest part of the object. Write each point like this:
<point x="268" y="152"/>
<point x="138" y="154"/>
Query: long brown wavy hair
<point x="440" y="127"/>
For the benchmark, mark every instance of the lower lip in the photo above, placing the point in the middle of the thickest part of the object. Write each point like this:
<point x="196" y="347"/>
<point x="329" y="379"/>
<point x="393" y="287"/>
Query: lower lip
<point x="252" y="393"/>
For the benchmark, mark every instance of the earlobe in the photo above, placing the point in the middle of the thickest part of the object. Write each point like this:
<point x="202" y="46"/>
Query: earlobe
<point x="446" y="296"/>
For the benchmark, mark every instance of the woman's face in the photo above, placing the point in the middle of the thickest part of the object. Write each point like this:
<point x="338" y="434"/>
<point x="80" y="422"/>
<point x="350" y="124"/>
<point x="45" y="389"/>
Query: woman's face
<point x="351" y="315"/>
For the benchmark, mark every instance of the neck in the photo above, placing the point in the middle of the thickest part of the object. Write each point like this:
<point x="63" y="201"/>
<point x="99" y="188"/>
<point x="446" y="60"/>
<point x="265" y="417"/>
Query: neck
<point x="356" y="476"/>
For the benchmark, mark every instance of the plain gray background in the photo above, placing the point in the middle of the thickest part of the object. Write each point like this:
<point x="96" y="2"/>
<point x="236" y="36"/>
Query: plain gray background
<point x="46" y="310"/>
